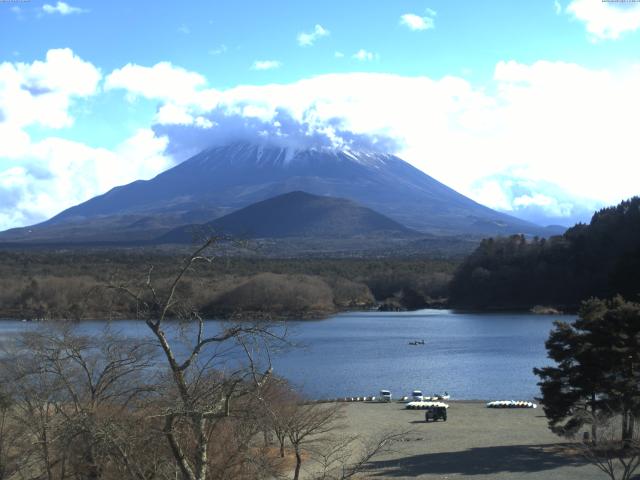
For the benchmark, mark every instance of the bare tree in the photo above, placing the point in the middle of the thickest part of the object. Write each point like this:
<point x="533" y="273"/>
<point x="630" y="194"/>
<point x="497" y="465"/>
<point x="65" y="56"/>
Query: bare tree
<point x="348" y="457"/>
<point x="75" y="395"/>
<point x="190" y="403"/>
<point x="35" y="396"/>
<point x="618" y="459"/>
<point x="204" y="381"/>
<point x="278" y="404"/>
<point x="309" y="425"/>
<point x="12" y="438"/>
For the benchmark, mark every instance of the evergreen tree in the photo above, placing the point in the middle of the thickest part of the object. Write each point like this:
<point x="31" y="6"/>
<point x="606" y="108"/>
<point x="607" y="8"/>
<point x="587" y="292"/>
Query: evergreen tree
<point x="595" y="260"/>
<point x="597" y="370"/>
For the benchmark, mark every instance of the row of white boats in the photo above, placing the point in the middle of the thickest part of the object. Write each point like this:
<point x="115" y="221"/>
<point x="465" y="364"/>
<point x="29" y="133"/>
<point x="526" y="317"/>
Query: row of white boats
<point x="416" y="396"/>
<point x="424" y="405"/>
<point x="418" y="401"/>
<point x="511" y="404"/>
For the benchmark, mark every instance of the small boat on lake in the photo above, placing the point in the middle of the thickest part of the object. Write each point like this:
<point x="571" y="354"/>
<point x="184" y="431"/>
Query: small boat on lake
<point x="417" y="342"/>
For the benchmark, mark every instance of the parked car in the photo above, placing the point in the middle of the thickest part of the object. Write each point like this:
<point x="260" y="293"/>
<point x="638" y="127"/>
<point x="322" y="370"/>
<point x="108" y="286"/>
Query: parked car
<point x="435" y="413"/>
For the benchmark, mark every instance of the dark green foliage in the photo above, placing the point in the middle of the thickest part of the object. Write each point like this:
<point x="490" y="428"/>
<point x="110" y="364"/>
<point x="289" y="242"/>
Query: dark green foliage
<point x="596" y="260"/>
<point x="597" y="370"/>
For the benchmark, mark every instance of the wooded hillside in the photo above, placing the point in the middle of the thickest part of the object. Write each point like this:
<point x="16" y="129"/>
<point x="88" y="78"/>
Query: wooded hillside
<point x="596" y="260"/>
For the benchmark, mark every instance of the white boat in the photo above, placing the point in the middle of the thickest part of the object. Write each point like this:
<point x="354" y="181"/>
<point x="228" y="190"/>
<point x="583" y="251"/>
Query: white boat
<point x="422" y="405"/>
<point x="442" y="396"/>
<point x="511" y="404"/>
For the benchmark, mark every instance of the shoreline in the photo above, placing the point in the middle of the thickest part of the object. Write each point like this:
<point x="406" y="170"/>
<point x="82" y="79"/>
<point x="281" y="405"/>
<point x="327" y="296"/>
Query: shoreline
<point x="313" y="315"/>
<point x="401" y="403"/>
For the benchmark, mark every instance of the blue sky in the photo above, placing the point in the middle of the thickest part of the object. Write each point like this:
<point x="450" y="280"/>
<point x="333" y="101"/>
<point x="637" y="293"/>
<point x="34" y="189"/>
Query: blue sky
<point x="524" y="106"/>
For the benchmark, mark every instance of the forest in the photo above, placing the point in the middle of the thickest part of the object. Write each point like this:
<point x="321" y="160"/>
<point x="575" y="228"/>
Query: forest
<point x="189" y="403"/>
<point x="74" y="284"/>
<point x="600" y="259"/>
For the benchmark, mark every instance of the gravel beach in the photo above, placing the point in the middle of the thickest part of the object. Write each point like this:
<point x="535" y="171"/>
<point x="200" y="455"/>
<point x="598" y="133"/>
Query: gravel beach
<point x="475" y="442"/>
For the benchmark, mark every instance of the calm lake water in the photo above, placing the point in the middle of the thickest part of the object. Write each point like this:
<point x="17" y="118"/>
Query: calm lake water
<point x="472" y="356"/>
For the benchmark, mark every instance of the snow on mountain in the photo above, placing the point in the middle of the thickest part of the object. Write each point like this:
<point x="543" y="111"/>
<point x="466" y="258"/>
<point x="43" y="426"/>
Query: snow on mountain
<point x="222" y="179"/>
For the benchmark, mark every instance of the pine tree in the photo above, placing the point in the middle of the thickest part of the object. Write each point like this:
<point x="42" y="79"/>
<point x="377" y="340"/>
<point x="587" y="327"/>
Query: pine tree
<point x="597" y="371"/>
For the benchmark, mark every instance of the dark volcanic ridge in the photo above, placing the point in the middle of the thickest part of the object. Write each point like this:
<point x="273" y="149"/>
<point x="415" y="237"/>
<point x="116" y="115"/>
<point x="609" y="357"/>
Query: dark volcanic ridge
<point x="298" y="214"/>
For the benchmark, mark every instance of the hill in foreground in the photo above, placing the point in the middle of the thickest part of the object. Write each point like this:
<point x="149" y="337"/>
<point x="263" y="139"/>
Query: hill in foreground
<point x="298" y="214"/>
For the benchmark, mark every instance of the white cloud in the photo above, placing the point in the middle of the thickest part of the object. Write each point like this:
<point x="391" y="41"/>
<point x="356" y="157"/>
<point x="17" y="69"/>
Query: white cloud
<point x="538" y="201"/>
<point x="171" y="113"/>
<point x="308" y="39"/>
<point x="416" y="22"/>
<point x="42" y="92"/>
<point x="266" y="65"/>
<point x="557" y="7"/>
<point x="62" y="8"/>
<point x="552" y="122"/>
<point x="338" y="54"/>
<point x="38" y="179"/>
<point x="363" y="55"/>
<point x="606" y="19"/>
<point x="492" y="192"/>
<point x="537" y="131"/>
<point x="55" y="174"/>
<point x="162" y="81"/>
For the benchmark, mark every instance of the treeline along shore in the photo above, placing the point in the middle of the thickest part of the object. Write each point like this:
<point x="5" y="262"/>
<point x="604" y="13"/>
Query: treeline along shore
<point x="77" y="285"/>
<point x="600" y="259"/>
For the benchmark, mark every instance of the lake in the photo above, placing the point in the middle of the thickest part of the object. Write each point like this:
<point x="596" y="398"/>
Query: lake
<point x="470" y="355"/>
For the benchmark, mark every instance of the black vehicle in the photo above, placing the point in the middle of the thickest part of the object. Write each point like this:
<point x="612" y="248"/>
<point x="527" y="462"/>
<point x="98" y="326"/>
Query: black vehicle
<point x="435" y="413"/>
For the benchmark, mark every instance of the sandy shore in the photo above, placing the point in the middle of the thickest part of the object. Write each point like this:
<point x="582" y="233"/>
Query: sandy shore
<point x="475" y="442"/>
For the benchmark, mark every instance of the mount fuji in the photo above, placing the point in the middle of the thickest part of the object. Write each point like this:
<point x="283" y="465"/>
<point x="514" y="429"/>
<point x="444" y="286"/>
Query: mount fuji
<point x="223" y="179"/>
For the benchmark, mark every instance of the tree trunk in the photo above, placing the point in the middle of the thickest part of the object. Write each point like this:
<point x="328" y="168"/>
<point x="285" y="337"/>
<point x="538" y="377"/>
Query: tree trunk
<point x="178" y="454"/>
<point x="296" y="474"/>
<point x="199" y="424"/>
<point x="628" y="428"/>
<point x="625" y="428"/>
<point x="92" y="469"/>
<point x="45" y="445"/>
<point x="594" y="427"/>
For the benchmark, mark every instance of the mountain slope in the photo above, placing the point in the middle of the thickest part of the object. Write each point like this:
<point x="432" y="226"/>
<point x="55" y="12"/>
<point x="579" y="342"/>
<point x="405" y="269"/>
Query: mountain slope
<point x="220" y="180"/>
<point x="298" y="214"/>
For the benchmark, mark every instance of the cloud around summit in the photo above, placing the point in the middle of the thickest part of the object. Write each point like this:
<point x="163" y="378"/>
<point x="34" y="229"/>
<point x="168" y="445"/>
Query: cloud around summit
<point x="539" y="122"/>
